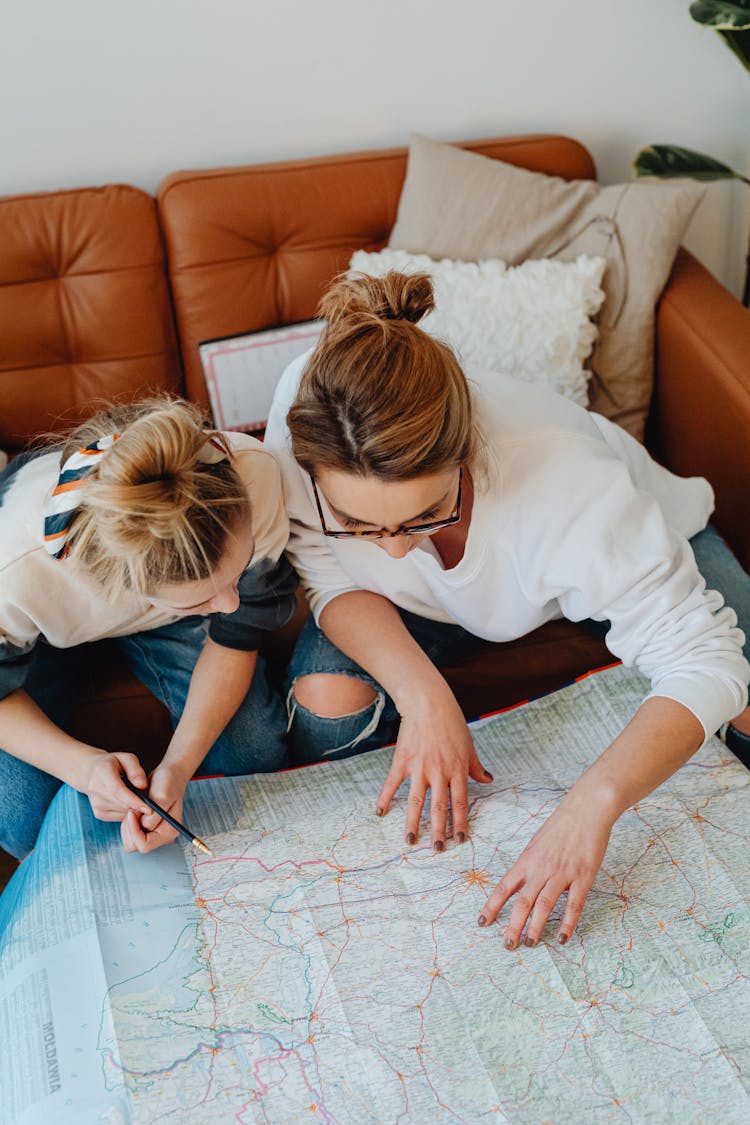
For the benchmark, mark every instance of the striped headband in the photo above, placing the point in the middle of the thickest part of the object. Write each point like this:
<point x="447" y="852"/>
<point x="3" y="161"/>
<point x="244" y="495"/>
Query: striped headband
<point x="74" y="473"/>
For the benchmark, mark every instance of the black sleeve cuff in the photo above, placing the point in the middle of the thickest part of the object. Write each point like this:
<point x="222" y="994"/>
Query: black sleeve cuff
<point x="15" y="665"/>
<point x="267" y="601"/>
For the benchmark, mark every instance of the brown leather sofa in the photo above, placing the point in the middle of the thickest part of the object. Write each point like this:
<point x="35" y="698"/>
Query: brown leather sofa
<point x="106" y="292"/>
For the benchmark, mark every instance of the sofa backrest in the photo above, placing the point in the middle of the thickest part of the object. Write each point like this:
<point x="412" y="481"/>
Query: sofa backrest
<point x="255" y="247"/>
<point x="85" y="312"/>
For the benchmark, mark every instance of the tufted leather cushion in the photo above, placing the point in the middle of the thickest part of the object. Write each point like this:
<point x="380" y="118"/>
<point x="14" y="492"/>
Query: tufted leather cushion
<point x="84" y="307"/>
<point x="701" y="413"/>
<point x="255" y="247"/>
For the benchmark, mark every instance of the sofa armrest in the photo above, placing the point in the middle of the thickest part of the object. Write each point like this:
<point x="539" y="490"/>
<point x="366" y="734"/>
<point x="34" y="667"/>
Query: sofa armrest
<point x="700" y="418"/>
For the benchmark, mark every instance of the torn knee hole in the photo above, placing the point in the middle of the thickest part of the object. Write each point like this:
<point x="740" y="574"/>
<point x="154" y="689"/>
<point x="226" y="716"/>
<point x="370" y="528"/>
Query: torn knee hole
<point x="333" y="695"/>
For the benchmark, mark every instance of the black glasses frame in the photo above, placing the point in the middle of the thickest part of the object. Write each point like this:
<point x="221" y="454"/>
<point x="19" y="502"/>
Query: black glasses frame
<point x="384" y="533"/>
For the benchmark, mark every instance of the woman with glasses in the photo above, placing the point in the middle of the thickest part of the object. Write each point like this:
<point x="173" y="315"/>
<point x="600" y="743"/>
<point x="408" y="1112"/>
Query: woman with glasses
<point x="425" y="518"/>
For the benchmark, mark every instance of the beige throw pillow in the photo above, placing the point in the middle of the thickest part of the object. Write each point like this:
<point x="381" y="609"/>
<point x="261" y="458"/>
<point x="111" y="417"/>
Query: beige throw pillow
<point x="456" y="204"/>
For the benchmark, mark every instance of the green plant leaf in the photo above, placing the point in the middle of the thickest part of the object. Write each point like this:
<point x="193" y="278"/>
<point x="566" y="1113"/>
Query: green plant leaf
<point x="731" y="19"/>
<point x="672" y="161"/>
<point x="739" y="42"/>
<point x="724" y="15"/>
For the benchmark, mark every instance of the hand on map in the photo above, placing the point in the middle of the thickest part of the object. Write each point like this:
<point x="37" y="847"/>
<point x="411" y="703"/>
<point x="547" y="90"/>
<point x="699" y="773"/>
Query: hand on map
<point x="564" y="855"/>
<point x="436" y="751"/>
<point x="110" y="798"/>
<point x="144" y="832"/>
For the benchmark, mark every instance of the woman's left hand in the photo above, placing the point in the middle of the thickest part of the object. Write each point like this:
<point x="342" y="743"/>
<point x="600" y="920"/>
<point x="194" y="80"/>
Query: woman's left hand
<point x="564" y="855"/>
<point x="568" y="850"/>
<point x="144" y="832"/>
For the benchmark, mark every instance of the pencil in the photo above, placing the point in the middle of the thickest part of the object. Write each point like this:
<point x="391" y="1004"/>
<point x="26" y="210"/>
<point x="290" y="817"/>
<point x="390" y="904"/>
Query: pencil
<point x="196" y="840"/>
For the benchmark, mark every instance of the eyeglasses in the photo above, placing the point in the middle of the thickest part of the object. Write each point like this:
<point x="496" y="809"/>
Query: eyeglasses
<point x="383" y="532"/>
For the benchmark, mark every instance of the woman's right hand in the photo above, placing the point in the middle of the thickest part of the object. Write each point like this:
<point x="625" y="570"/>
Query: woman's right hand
<point x="103" y="785"/>
<point x="167" y="788"/>
<point x="436" y="751"/>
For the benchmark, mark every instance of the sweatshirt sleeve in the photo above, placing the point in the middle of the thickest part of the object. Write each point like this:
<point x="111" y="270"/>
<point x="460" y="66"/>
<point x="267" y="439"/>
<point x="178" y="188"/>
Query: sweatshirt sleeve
<point x="267" y="589"/>
<point x="610" y="555"/>
<point x="267" y="601"/>
<point x="18" y="640"/>
<point x="321" y="574"/>
<point x="15" y="665"/>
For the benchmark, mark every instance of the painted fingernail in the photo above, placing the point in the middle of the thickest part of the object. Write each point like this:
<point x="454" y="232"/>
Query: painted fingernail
<point x="481" y="920"/>
<point x="529" y="941"/>
<point x="411" y="838"/>
<point x="460" y="838"/>
<point x="509" y="943"/>
<point x="378" y="811"/>
<point x="562" y="938"/>
<point x="438" y="845"/>
<point x="488" y="775"/>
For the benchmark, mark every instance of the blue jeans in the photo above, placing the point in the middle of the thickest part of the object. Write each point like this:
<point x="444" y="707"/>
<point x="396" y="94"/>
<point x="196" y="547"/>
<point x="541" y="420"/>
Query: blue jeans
<point x="313" y="737"/>
<point x="253" y="741"/>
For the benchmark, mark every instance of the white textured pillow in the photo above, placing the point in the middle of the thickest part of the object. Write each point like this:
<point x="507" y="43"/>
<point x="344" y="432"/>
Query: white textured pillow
<point x="530" y="322"/>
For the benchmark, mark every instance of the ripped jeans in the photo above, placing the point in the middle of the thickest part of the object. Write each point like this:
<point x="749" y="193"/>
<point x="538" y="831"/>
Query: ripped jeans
<point x="313" y="738"/>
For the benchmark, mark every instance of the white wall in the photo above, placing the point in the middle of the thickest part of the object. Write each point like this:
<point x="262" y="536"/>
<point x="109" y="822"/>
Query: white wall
<point x="95" y="91"/>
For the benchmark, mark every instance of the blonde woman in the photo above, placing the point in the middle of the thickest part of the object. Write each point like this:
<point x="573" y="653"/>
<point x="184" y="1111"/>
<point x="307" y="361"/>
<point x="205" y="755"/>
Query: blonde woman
<point x="149" y="528"/>
<point x="424" y="520"/>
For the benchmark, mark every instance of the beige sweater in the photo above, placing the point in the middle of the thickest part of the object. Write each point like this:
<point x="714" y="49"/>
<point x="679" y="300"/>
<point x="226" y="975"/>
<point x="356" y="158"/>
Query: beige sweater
<point x="58" y="601"/>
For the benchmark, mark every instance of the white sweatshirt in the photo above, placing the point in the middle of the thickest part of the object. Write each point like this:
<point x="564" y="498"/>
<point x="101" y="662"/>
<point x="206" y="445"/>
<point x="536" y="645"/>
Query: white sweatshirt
<point x="577" y="521"/>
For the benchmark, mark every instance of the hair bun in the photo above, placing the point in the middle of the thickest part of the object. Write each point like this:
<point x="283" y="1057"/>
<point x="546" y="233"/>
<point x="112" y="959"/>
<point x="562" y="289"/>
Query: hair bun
<point x="151" y="470"/>
<point x="163" y="446"/>
<point x="397" y="296"/>
<point x="156" y="509"/>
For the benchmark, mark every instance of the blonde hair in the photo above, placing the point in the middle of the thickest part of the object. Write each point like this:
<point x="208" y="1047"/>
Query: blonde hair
<point x="378" y="395"/>
<point x="152" y="512"/>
